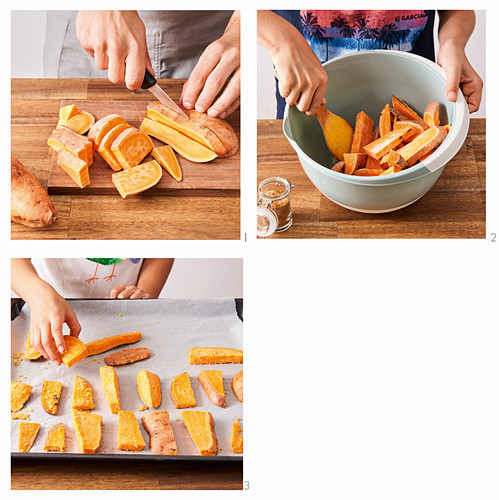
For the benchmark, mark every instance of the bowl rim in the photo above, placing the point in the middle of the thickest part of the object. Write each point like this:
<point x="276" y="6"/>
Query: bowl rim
<point x="453" y="141"/>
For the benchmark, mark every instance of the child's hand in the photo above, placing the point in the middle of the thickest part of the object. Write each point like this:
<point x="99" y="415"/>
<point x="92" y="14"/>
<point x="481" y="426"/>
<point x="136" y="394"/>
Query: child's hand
<point x="128" y="292"/>
<point x="49" y="311"/>
<point x="460" y="74"/>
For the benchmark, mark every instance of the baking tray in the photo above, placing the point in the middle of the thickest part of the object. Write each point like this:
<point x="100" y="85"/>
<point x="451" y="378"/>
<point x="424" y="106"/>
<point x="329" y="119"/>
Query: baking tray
<point x="169" y="327"/>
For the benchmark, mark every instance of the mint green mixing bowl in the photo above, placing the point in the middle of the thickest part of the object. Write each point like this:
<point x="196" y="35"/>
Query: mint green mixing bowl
<point x="366" y="81"/>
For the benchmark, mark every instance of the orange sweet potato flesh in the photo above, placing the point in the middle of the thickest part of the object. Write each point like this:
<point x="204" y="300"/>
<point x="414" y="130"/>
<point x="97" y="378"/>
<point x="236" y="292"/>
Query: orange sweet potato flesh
<point x="137" y="179"/>
<point x="131" y="148"/>
<point x="362" y="134"/>
<point x="422" y="144"/>
<point x="101" y="127"/>
<point x="339" y="166"/>
<point x="81" y="122"/>
<point x="30" y="205"/>
<point x="75" y="167"/>
<point x="402" y="107"/>
<point x="385" y="121"/>
<point x="106" y="343"/>
<point x="82" y="140"/>
<point x="431" y="113"/>
<point x="165" y="156"/>
<point x="106" y="142"/>
<point x="417" y="126"/>
<point x="393" y="158"/>
<point x="353" y="161"/>
<point x="191" y="128"/>
<point x="379" y="148"/>
<point x="61" y="139"/>
<point x="369" y="172"/>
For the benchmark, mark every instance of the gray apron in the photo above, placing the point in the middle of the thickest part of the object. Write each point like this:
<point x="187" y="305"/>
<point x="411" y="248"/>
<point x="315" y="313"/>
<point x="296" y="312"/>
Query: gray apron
<point x="175" y="41"/>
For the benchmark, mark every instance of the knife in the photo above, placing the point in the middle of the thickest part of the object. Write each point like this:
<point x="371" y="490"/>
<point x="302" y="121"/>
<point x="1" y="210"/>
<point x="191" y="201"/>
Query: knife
<point x="150" y="83"/>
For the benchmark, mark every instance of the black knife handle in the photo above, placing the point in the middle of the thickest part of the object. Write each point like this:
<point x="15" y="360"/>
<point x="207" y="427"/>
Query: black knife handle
<point x="149" y="81"/>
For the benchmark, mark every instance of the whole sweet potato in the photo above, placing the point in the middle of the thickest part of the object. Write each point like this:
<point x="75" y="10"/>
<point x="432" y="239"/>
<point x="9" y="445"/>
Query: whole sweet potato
<point x="29" y="203"/>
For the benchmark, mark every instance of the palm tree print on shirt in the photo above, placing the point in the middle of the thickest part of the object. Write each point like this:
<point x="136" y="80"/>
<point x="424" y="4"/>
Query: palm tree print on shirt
<point x="340" y="32"/>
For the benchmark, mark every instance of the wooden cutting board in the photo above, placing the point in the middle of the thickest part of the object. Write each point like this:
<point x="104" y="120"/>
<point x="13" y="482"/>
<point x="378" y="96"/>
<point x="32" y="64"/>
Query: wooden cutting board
<point x="217" y="177"/>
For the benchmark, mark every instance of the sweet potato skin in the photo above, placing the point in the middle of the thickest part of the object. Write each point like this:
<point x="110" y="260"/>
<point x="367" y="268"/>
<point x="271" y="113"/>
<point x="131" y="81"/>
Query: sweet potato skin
<point x="161" y="437"/>
<point x="30" y="205"/>
<point x="127" y="356"/>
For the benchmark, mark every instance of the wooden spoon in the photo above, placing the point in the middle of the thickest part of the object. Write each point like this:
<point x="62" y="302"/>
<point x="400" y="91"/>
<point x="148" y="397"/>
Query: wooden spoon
<point x="338" y="133"/>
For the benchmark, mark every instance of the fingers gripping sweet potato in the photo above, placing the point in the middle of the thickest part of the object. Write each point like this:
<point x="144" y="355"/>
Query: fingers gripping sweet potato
<point x="30" y="205"/>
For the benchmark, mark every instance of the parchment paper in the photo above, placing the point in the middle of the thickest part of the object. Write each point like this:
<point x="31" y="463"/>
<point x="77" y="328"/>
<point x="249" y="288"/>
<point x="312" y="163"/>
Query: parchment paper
<point x="169" y="328"/>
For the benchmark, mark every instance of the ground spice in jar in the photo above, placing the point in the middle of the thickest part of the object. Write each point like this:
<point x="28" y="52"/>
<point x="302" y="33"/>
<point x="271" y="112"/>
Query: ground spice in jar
<point x="281" y="207"/>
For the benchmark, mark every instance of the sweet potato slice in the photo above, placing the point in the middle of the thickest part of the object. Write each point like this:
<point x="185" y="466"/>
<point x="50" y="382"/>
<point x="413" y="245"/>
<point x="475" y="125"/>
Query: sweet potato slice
<point x="137" y="179"/>
<point x="83" y="396"/>
<point x="368" y="172"/>
<point x="237" y="385"/>
<point x="61" y="139"/>
<point x="75" y="351"/>
<point x="353" y="161"/>
<point x="213" y="386"/>
<point x="201" y="427"/>
<point x="385" y="121"/>
<point x="30" y="352"/>
<point x="373" y="163"/>
<point x="111" y="387"/>
<point x="362" y="134"/>
<point x="74" y="166"/>
<point x="27" y="435"/>
<point x="161" y="438"/>
<point x="102" y="345"/>
<point x="221" y="128"/>
<point x="129" y="435"/>
<point x="339" y="166"/>
<point x="431" y="113"/>
<point x="393" y="158"/>
<point x="189" y="127"/>
<point x="131" y="148"/>
<point x="402" y="107"/>
<point x="56" y="438"/>
<point x="105" y="145"/>
<point x="19" y="394"/>
<point x="127" y="356"/>
<point x="181" y="391"/>
<point x="67" y="112"/>
<point x="101" y="127"/>
<point x="30" y="205"/>
<point x="182" y="144"/>
<point x="417" y="126"/>
<point x="82" y="140"/>
<point x="214" y="355"/>
<point x="392" y="170"/>
<point x="422" y="144"/>
<point x="51" y="395"/>
<point x="379" y="148"/>
<point x="236" y="438"/>
<point x="81" y="122"/>
<point x="149" y="388"/>
<point x="165" y="156"/>
<point x="88" y="430"/>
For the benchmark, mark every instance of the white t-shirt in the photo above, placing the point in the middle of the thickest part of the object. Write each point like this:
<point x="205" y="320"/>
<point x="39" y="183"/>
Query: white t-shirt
<point x="87" y="278"/>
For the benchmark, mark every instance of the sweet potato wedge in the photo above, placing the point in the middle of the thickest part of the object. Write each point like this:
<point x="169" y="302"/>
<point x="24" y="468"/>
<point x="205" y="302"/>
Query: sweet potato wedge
<point x="75" y="167"/>
<point x="64" y="138"/>
<point x="213" y="386"/>
<point x="214" y="355"/>
<point x="385" y="121"/>
<point x="165" y="156"/>
<point x="237" y="385"/>
<point x="131" y="148"/>
<point x="19" y="394"/>
<point x="129" y="435"/>
<point x="88" y="430"/>
<point x="111" y="387"/>
<point x="373" y="164"/>
<point x="105" y="145"/>
<point x="27" y="432"/>
<point x="431" y="113"/>
<point x="339" y="166"/>
<point x="422" y="144"/>
<point x="418" y="127"/>
<point x="201" y="427"/>
<point x="127" y="356"/>
<point x="362" y="134"/>
<point x="189" y="127"/>
<point x="101" y="127"/>
<point x="80" y="123"/>
<point x="75" y="351"/>
<point x="102" y="345"/>
<point x="368" y="172"/>
<point x="236" y="438"/>
<point x="149" y="388"/>
<point x="183" y="145"/>
<point x="137" y="179"/>
<point x="393" y="158"/>
<point x="67" y="112"/>
<point x="30" y="205"/>
<point x="181" y="392"/>
<point x="391" y="170"/>
<point x="161" y="438"/>
<point x="83" y="396"/>
<point x="56" y="438"/>
<point x="50" y="396"/>
<point x="379" y="148"/>
<point x="402" y="107"/>
<point x="353" y="161"/>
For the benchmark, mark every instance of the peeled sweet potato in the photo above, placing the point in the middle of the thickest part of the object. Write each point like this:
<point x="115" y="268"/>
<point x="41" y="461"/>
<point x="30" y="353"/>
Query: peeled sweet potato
<point x="30" y="205"/>
<point x="101" y="345"/>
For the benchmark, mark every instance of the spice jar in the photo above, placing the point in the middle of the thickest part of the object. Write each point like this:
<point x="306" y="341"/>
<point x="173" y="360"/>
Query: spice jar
<point x="274" y="206"/>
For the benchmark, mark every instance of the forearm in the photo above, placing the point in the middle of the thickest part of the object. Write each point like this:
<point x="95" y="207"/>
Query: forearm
<point x="455" y="26"/>
<point x="25" y="280"/>
<point x="153" y="275"/>
<point x="272" y="29"/>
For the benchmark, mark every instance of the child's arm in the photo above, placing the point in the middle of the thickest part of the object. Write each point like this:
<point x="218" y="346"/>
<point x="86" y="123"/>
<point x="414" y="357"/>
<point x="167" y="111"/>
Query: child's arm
<point x="49" y="311"/>
<point x="454" y="31"/>
<point x="152" y="277"/>
<point x="302" y="79"/>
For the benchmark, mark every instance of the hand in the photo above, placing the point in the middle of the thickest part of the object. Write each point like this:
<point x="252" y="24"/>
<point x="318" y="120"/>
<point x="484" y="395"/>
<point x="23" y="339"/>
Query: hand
<point x="49" y="311"/>
<point x="219" y="65"/>
<point x="116" y="39"/>
<point x="128" y="292"/>
<point x="460" y="74"/>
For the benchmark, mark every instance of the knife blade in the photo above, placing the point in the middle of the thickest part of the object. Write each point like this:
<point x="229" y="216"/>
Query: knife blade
<point x="150" y="83"/>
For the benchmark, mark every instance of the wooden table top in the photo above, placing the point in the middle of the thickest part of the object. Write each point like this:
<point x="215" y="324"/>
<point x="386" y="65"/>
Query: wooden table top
<point x="59" y="474"/>
<point x="35" y="108"/>
<point x="453" y="208"/>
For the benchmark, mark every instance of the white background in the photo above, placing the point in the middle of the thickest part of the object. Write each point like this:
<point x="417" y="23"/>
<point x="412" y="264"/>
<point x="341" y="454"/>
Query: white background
<point x="372" y="366"/>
